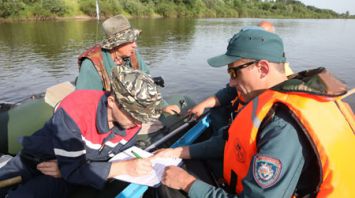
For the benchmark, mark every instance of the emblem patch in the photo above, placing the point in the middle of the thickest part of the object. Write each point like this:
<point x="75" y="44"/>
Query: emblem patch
<point x="266" y="170"/>
<point x="239" y="151"/>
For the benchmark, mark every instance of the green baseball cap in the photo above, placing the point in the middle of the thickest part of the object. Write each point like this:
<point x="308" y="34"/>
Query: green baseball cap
<point x="251" y="44"/>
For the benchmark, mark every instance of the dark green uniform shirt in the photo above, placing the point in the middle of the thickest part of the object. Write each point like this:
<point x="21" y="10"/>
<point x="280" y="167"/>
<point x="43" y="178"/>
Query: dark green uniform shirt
<point x="89" y="78"/>
<point x="226" y="95"/>
<point x="280" y="140"/>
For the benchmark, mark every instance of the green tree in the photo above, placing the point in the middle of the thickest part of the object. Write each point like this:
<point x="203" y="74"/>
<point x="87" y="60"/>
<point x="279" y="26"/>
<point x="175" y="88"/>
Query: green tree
<point x="166" y="8"/>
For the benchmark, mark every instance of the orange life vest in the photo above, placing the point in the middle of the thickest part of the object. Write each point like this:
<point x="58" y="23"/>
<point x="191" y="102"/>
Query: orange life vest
<point x="95" y="56"/>
<point x="322" y="116"/>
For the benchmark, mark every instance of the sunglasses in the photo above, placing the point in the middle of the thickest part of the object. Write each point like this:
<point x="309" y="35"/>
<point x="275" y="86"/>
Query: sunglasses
<point x="233" y="71"/>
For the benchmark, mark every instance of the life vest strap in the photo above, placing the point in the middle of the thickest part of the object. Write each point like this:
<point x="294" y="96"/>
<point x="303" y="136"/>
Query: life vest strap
<point x="346" y="110"/>
<point x="233" y="183"/>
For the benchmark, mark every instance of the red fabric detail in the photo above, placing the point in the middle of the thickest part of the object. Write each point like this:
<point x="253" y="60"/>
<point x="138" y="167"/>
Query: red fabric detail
<point x="81" y="106"/>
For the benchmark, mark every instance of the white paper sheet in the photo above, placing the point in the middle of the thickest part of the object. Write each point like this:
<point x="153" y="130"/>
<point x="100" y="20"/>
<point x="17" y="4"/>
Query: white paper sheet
<point x="159" y="165"/>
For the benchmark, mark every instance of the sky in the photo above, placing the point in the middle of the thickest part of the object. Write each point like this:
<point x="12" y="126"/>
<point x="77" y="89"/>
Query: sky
<point x="340" y="6"/>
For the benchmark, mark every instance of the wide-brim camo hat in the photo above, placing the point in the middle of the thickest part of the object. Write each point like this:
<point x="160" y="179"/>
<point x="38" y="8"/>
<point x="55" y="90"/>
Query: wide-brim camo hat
<point x="118" y="31"/>
<point x="254" y="44"/>
<point x="137" y="93"/>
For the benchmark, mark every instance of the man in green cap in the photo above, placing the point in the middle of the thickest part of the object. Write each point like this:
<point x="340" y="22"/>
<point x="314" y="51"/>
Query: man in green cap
<point x="225" y="100"/>
<point x="86" y="130"/>
<point x="278" y="144"/>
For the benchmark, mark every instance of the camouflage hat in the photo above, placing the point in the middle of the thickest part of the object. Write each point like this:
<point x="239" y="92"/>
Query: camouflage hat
<point x="136" y="93"/>
<point x="118" y="31"/>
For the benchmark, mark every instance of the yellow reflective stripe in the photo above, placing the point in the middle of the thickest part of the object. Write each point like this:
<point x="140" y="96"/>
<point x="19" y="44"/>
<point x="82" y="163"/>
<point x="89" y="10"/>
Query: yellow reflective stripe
<point x="254" y="118"/>
<point x="346" y="109"/>
<point x="349" y="93"/>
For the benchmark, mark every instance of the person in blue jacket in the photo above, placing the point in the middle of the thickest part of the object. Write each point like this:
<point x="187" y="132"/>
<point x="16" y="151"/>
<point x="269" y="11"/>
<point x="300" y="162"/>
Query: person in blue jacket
<point x="86" y="130"/>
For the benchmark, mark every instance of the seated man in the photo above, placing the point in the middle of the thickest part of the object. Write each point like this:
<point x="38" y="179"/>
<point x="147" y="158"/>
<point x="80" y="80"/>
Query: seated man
<point x="288" y="138"/>
<point x="226" y="101"/>
<point x="86" y="130"/>
<point x="119" y="48"/>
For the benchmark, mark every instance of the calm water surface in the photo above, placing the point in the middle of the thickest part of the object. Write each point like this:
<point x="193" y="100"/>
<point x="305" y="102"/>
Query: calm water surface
<point x="36" y="55"/>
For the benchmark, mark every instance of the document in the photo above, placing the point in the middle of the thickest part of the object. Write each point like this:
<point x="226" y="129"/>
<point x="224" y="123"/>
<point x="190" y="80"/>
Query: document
<point x="153" y="179"/>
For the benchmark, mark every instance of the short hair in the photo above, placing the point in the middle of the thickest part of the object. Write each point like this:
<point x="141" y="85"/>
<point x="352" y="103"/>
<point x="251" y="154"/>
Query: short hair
<point x="280" y="67"/>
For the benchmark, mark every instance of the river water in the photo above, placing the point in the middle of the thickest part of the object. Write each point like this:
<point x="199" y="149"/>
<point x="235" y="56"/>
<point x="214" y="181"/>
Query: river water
<point x="36" y="55"/>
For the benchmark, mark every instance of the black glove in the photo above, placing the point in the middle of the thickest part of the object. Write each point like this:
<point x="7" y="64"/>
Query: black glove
<point x="159" y="81"/>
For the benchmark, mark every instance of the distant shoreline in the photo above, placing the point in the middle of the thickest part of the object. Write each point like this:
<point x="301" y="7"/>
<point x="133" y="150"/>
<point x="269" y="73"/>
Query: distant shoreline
<point x="85" y="17"/>
<point x="11" y="20"/>
<point x="56" y="18"/>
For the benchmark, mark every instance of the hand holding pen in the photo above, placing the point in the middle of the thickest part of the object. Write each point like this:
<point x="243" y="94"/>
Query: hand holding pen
<point x="138" y="166"/>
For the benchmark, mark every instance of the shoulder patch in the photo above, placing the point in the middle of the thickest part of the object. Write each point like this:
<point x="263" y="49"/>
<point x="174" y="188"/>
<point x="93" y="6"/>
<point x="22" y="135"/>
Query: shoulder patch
<point x="266" y="170"/>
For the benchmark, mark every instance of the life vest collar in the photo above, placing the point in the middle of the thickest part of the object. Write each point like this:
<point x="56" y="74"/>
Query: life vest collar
<point x="317" y="81"/>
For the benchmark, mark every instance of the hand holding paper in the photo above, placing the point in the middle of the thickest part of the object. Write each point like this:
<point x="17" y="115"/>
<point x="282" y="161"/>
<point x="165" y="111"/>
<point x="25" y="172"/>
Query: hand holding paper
<point x="166" y="153"/>
<point x="182" y="152"/>
<point x="177" y="178"/>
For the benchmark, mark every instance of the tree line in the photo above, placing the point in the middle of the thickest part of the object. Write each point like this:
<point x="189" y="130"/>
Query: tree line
<point x="47" y="9"/>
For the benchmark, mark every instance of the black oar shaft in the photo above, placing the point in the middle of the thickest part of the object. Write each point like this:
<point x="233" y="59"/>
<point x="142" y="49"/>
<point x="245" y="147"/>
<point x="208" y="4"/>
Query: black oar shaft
<point x="165" y="138"/>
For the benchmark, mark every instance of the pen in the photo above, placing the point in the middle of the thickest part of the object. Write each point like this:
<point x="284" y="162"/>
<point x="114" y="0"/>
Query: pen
<point x="101" y="147"/>
<point x="136" y="155"/>
<point x="176" y="113"/>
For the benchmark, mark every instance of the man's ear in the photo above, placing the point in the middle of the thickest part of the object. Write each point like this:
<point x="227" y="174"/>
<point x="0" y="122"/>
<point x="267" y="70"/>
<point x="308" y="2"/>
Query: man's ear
<point x="263" y="66"/>
<point x="110" y="101"/>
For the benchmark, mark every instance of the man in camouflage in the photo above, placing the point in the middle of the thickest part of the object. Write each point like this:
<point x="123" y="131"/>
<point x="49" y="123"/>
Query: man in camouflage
<point x="86" y="130"/>
<point x="136" y="94"/>
<point x="117" y="49"/>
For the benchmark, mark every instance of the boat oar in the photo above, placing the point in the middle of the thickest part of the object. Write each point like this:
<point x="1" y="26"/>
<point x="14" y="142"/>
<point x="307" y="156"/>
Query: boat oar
<point x="171" y="134"/>
<point x="165" y="138"/>
<point x="187" y="118"/>
<point x="11" y="181"/>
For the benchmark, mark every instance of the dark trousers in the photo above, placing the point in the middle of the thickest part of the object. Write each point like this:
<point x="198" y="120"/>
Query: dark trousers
<point x="34" y="184"/>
